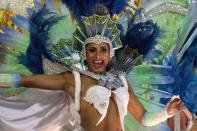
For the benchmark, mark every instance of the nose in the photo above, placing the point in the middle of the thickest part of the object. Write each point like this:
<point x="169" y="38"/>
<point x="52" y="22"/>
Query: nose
<point x="97" y="54"/>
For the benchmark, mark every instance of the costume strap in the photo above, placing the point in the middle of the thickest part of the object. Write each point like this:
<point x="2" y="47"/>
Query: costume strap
<point x="77" y="89"/>
<point x="122" y="100"/>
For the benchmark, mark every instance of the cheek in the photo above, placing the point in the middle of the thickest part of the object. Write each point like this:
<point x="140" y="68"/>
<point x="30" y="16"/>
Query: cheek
<point x="89" y="58"/>
<point x="106" y="59"/>
<point x="88" y="61"/>
<point x="89" y="55"/>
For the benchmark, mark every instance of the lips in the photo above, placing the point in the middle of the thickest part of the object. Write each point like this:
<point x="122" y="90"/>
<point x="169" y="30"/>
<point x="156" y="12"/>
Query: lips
<point x="98" y="63"/>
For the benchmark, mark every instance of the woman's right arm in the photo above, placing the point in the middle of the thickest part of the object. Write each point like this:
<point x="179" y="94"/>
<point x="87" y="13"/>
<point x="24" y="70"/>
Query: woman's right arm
<point x="50" y="82"/>
<point x="42" y="81"/>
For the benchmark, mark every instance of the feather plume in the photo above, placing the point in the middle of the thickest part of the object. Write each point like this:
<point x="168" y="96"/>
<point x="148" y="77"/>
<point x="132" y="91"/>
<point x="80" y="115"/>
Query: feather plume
<point x="84" y="7"/>
<point x="142" y="36"/>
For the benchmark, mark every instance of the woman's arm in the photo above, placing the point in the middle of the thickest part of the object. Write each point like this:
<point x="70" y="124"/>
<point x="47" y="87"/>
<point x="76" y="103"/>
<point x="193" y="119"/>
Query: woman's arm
<point x="151" y="118"/>
<point x="135" y="107"/>
<point x="51" y="82"/>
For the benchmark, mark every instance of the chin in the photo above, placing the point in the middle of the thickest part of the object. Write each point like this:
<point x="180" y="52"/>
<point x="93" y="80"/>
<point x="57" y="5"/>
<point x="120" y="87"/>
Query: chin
<point x="98" y="71"/>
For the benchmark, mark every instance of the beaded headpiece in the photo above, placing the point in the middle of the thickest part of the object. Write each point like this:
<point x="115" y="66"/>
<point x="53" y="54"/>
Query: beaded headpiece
<point x="97" y="29"/>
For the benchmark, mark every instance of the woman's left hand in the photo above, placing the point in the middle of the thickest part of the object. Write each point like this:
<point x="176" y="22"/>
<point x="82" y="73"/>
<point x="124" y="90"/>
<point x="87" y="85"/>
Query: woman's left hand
<point x="175" y="104"/>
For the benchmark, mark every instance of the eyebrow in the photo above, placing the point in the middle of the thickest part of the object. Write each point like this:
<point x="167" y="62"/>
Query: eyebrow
<point x="105" y="46"/>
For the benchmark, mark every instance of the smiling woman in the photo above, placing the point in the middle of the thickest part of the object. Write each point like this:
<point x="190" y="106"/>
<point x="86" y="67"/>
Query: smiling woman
<point x="97" y="57"/>
<point x="87" y="102"/>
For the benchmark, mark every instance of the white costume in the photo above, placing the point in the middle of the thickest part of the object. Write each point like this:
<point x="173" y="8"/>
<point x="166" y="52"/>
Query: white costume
<point x="99" y="96"/>
<point x="40" y="110"/>
<point x="43" y="110"/>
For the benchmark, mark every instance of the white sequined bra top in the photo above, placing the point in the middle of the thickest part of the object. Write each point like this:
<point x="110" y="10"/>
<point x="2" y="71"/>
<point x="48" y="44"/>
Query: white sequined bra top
<point x="99" y="96"/>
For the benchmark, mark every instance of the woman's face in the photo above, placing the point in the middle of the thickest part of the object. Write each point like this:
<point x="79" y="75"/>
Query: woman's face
<point x="98" y="56"/>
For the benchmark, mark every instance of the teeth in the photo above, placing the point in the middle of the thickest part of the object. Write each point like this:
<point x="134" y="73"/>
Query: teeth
<point x="98" y="62"/>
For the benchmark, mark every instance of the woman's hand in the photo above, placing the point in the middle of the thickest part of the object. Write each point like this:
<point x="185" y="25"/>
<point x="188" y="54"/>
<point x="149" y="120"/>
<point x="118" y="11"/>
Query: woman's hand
<point x="175" y="104"/>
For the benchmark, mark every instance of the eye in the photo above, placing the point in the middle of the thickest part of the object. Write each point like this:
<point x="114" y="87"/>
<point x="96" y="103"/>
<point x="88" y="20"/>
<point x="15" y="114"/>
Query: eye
<point x="104" y="49"/>
<point x="91" y="50"/>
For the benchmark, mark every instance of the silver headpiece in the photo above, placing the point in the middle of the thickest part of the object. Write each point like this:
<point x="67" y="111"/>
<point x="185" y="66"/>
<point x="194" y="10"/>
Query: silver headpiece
<point x="97" y="29"/>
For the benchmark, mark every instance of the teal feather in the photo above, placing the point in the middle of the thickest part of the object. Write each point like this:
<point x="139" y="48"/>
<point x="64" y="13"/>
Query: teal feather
<point x="37" y="5"/>
<point x="19" y="44"/>
<point x="29" y="11"/>
<point x="150" y="74"/>
<point x="188" y="32"/>
<point x="21" y="22"/>
<point x="50" y="5"/>
<point x="62" y="29"/>
<point x="64" y="10"/>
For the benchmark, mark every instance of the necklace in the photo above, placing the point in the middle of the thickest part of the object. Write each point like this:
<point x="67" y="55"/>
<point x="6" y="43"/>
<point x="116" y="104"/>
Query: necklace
<point x="109" y="80"/>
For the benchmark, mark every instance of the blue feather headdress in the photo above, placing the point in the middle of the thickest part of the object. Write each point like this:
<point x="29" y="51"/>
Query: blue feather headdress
<point x="142" y="36"/>
<point x="84" y="7"/>
<point x="44" y="19"/>
<point x="183" y="62"/>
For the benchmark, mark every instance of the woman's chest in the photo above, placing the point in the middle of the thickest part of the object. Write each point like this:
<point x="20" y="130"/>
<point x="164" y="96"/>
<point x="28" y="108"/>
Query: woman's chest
<point x="90" y="117"/>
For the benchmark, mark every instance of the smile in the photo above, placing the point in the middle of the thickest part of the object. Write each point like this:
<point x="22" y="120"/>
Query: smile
<point x="98" y="63"/>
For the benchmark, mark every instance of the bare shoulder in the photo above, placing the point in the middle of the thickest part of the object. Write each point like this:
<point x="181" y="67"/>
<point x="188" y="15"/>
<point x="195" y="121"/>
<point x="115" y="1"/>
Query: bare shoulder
<point x="86" y="80"/>
<point x="86" y="83"/>
<point x="69" y="85"/>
